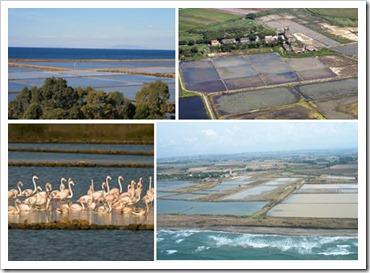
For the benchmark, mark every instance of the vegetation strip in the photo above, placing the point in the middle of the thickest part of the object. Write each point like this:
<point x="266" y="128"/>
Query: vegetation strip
<point x="77" y="151"/>
<point x="136" y="72"/>
<point x="84" y="164"/>
<point x="78" y="225"/>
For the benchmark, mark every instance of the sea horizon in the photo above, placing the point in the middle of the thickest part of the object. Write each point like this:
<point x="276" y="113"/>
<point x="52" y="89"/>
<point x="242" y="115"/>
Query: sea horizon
<point x="88" y="53"/>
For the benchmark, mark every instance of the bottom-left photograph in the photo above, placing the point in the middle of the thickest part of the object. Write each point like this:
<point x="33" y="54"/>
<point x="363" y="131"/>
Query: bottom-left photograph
<point x="81" y="192"/>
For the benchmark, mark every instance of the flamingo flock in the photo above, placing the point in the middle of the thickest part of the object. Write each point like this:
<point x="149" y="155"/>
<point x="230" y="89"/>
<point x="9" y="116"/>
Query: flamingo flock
<point x="104" y="200"/>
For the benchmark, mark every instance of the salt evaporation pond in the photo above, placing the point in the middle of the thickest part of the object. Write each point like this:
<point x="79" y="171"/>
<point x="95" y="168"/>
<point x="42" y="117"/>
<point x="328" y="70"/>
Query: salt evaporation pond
<point x="251" y="192"/>
<point x="207" y="208"/>
<point x="192" y="108"/>
<point x="173" y="185"/>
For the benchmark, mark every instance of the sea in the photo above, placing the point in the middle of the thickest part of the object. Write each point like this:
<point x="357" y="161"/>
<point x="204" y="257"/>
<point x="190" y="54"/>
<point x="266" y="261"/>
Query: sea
<point x="87" y="53"/>
<point x="195" y="244"/>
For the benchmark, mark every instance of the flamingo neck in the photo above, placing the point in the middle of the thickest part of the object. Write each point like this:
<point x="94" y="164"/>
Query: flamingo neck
<point x="34" y="184"/>
<point x="120" y="185"/>
<point x="107" y="183"/>
<point x="19" y="188"/>
<point x="70" y="191"/>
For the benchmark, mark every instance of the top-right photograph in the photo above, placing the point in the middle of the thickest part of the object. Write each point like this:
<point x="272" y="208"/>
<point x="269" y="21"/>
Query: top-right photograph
<point x="268" y="63"/>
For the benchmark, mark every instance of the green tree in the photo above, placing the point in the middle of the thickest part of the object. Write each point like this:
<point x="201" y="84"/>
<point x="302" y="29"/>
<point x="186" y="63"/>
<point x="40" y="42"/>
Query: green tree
<point x="151" y="100"/>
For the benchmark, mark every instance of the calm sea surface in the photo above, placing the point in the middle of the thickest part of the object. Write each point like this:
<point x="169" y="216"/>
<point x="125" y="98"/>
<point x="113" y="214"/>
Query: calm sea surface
<point x="83" y="53"/>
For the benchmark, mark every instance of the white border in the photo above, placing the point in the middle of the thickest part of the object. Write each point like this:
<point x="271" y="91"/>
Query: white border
<point x="249" y="264"/>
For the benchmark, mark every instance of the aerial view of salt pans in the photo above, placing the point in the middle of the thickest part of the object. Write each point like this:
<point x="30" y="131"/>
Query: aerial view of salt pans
<point x="268" y="63"/>
<point x="91" y="64"/>
<point x="224" y="192"/>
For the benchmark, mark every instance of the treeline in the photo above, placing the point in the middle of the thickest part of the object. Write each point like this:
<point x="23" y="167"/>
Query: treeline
<point x="56" y="100"/>
<point x="82" y="133"/>
<point x="229" y="29"/>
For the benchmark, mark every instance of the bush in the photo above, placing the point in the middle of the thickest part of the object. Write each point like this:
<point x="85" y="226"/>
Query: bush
<point x="251" y="16"/>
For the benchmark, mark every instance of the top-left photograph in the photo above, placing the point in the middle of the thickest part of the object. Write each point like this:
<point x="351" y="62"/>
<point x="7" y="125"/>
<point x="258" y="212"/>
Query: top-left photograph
<point x="91" y="63"/>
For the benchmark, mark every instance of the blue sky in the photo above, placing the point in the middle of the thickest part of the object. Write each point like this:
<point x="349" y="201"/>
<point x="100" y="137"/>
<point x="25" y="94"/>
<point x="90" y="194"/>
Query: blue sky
<point x="93" y="28"/>
<point x="181" y="139"/>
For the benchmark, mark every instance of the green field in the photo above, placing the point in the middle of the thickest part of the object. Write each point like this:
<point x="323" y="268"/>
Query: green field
<point x="339" y="13"/>
<point x="338" y="17"/>
<point x="194" y="18"/>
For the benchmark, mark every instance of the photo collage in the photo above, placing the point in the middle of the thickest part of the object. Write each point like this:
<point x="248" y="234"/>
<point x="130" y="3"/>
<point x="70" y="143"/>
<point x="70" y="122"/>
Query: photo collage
<point x="144" y="136"/>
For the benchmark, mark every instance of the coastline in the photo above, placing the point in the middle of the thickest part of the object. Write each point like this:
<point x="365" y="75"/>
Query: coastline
<point x="276" y="231"/>
<point x="267" y="225"/>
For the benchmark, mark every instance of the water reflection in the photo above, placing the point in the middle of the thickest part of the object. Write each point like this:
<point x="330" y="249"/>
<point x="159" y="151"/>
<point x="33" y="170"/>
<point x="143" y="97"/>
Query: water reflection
<point x="93" y="218"/>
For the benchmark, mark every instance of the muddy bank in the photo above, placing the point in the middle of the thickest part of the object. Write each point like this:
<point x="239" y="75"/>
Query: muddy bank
<point x="78" y="225"/>
<point x="250" y="223"/>
<point x="85" y="164"/>
<point x="80" y="151"/>
<point x="281" y="231"/>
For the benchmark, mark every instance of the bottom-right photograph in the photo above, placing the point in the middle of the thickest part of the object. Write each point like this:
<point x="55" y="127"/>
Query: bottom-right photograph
<point x="257" y="190"/>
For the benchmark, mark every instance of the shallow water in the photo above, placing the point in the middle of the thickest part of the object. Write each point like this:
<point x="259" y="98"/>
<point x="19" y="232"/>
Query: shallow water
<point x="80" y="245"/>
<point x="192" y="108"/>
<point x="81" y="177"/>
<point x="127" y="84"/>
<point x="99" y="158"/>
<point x="218" y="245"/>
<point x="83" y="146"/>
<point x="207" y="208"/>
<point x="171" y="185"/>
<point x="92" y="217"/>
<point x="251" y="192"/>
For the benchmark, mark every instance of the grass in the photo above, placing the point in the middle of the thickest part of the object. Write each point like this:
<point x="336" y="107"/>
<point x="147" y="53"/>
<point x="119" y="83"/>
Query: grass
<point x="339" y="13"/>
<point x="337" y="17"/>
<point x="193" y="18"/>
<point x="82" y="133"/>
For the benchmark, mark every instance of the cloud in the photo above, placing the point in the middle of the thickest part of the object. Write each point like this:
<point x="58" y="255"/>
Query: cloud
<point x="209" y="133"/>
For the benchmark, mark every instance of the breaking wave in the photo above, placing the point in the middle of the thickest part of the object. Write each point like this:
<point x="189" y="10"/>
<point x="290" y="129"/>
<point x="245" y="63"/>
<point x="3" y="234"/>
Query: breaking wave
<point x="197" y="241"/>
